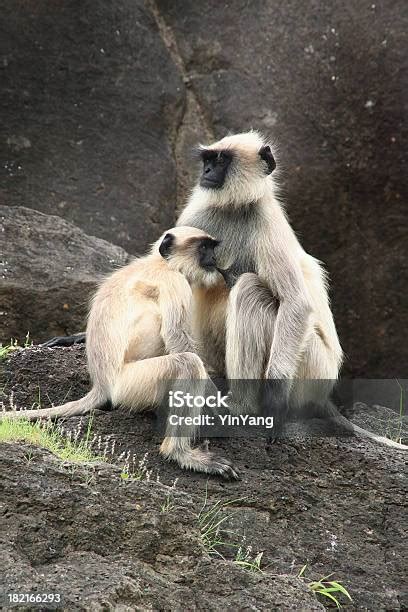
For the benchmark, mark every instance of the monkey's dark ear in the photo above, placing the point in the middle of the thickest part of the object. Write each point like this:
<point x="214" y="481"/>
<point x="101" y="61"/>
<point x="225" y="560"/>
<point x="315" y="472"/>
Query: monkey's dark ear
<point x="166" y="244"/>
<point x="265" y="154"/>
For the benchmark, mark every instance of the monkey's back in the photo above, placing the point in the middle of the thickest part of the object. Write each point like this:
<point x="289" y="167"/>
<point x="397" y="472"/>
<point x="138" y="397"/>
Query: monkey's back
<point x="123" y="322"/>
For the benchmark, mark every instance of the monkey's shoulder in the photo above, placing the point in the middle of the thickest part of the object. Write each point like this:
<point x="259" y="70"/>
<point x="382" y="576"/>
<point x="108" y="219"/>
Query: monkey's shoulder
<point x="171" y="286"/>
<point x="146" y="290"/>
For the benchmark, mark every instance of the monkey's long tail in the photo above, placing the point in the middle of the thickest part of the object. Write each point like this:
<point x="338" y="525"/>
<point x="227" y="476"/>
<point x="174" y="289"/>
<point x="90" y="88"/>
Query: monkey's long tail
<point x="90" y="401"/>
<point x="360" y="432"/>
<point x="364" y="433"/>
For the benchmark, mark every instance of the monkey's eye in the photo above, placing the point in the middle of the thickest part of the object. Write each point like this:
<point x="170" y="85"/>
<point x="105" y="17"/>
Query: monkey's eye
<point x="208" y="156"/>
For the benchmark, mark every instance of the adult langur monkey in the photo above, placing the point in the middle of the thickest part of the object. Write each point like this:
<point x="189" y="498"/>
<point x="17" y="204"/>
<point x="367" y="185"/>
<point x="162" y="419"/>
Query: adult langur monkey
<point x="276" y="322"/>
<point x="138" y="338"/>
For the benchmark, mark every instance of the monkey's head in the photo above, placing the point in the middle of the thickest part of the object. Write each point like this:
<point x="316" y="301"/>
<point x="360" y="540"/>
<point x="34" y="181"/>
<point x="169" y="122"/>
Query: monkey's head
<point x="236" y="170"/>
<point x="190" y="251"/>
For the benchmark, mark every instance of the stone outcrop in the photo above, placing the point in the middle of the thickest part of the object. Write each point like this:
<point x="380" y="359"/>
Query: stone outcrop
<point x="48" y="269"/>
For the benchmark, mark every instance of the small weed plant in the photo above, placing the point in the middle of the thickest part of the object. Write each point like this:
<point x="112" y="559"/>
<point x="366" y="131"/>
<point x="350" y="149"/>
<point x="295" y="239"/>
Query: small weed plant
<point x="325" y="588"/>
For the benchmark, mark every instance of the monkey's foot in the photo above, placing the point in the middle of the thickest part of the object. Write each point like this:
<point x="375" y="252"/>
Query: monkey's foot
<point x="201" y="460"/>
<point x="221" y="466"/>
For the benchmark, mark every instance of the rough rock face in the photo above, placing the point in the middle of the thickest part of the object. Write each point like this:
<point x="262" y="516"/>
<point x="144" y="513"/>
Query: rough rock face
<point x="90" y="101"/>
<point x="48" y="270"/>
<point x="337" y="505"/>
<point x="102" y="543"/>
<point x="101" y="105"/>
<point x="328" y="82"/>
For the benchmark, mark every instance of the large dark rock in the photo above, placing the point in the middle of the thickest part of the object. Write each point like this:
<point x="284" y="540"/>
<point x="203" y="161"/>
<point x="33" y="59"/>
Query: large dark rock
<point x="49" y="269"/>
<point x="338" y="505"/>
<point x="101" y="104"/>
<point x="328" y="81"/>
<point x="90" y="101"/>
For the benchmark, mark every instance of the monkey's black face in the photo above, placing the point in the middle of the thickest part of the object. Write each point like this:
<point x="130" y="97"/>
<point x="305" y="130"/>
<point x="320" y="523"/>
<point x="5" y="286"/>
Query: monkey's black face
<point x="216" y="164"/>
<point x="206" y="253"/>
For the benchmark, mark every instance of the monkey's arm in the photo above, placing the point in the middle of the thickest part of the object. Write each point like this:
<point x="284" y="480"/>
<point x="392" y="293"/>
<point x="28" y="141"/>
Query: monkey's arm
<point x="175" y="307"/>
<point x="293" y="318"/>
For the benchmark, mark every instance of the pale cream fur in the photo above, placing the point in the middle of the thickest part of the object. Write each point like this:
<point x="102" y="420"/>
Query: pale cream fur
<point x="277" y="323"/>
<point x="138" y="338"/>
<point x="293" y="276"/>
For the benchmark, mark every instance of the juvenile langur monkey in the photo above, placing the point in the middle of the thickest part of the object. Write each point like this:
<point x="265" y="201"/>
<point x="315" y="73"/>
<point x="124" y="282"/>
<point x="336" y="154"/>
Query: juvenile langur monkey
<point x="138" y="338"/>
<point x="276" y="322"/>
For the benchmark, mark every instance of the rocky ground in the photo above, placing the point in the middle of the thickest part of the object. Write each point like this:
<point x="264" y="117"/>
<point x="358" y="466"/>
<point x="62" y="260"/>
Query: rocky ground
<point x="103" y="542"/>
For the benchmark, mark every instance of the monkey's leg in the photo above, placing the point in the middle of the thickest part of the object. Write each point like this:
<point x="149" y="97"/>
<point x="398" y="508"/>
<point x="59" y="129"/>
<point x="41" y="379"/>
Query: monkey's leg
<point x="79" y="338"/>
<point x="145" y="383"/>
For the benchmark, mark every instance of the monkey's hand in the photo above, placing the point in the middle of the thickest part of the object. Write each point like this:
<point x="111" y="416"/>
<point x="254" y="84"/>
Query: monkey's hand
<point x="230" y="277"/>
<point x="275" y="403"/>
